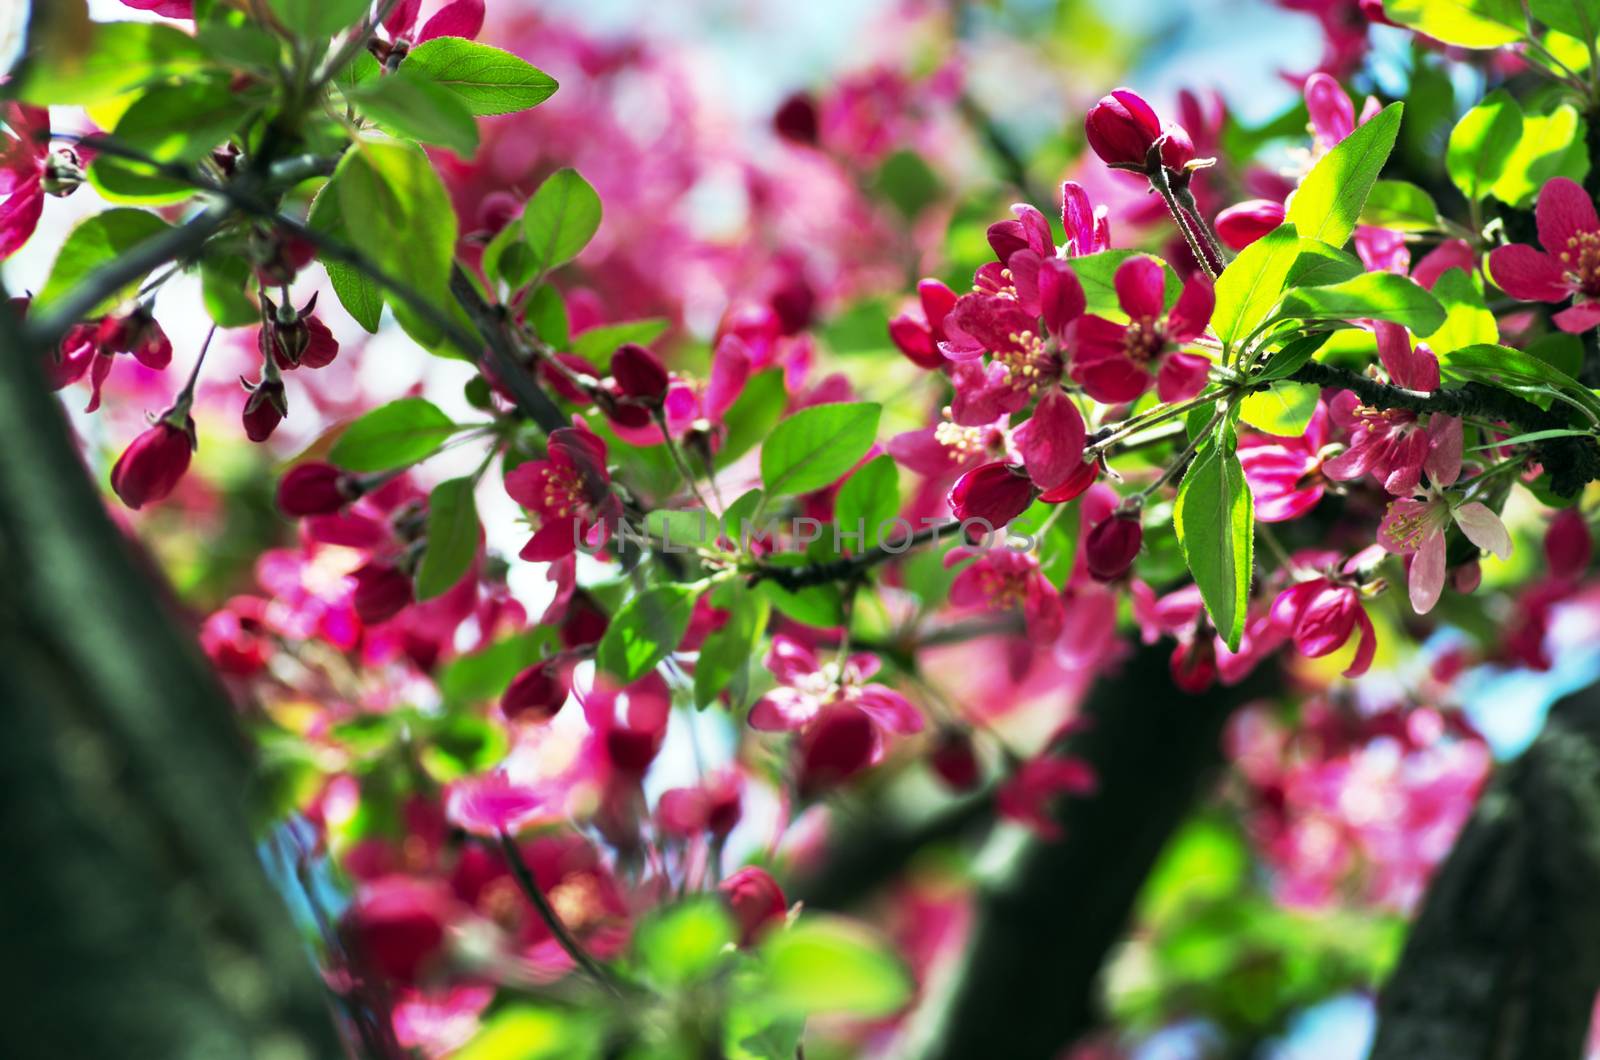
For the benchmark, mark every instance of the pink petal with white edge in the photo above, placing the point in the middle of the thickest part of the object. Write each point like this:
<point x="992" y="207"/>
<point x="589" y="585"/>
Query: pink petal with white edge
<point x="1483" y="528"/>
<point x="1564" y="211"/>
<point x="1141" y="286"/>
<point x="1052" y="441"/>
<point x="1531" y="275"/>
<point x="1579" y="318"/>
<point x="1427" y="574"/>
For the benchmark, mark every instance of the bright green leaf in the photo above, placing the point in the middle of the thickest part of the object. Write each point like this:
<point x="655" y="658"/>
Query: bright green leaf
<point x="560" y="219"/>
<point x="1400" y="205"/>
<point x="1372" y="295"/>
<point x="727" y="653"/>
<point x="825" y="964"/>
<point x="1283" y="408"/>
<point x="1330" y="198"/>
<point x="645" y="631"/>
<point x="1467" y="320"/>
<point x="752" y="416"/>
<point x="1577" y="18"/>
<point x="181" y="122"/>
<point x="1482" y="142"/>
<point x="412" y="107"/>
<point x="682" y="943"/>
<point x="392" y="196"/>
<point x="1467" y="23"/>
<point x="223" y="281"/>
<point x="816" y="445"/>
<point x="1215" y="523"/>
<point x="546" y="313"/>
<point x="391" y="436"/>
<point x="359" y="293"/>
<point x="597" y="344"/>
<point x="318" y="19"/>
<point x="1253" y="282"/>
<point x="1552" y="145"/>
<point x="119" y="57"/>
<point x="485" y="674"/>
<point x="1097" y="273"/>
<point x="867" y="502"/>
<point x="485" y="79"/>
<point x="94" y="243"/>
<point x="452" y="539"/>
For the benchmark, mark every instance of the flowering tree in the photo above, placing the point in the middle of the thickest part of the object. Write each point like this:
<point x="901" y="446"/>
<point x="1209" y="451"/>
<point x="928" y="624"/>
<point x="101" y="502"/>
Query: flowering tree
<point x="720" y="649"/>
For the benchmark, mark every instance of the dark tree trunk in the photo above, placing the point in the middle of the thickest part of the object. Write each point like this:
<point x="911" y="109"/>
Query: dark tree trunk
<point x="137" y="920"/>
<point x="1504" y="958"/>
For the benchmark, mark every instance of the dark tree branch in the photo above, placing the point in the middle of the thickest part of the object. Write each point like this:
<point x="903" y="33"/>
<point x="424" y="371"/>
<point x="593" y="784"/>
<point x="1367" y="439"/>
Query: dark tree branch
<point x="1504" y="958"/>
<point x="849" y="567"/>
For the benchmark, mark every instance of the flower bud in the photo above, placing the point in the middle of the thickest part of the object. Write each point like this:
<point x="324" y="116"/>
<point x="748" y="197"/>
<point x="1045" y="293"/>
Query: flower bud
<point x="584" y="623"/>
<point x="313" y="488"/>
<point x="398" y="926"/>
<point x="535" y="695"/>
<point x="1243" y="223"/>
<point x="796" y="120"/>
<point x="839" y="743"/>
<point x="1121" y="129"/>
<point x="1112" y="545"/>
<point x="994" y="494"/>
<point x="724" y="805"/>
<point x="278" y="257"/>
<point x="640" y="375"/>
<point x="149" y="469"/>
<point x="1177" y="149"/>
<point x="954" y="760"/>
<point x="756" y="901"/>
<point x="1567" y="544"/>
<point x="264" y="409"/>
<point x="381" y="593"/>
<point x="1194" y="666"/>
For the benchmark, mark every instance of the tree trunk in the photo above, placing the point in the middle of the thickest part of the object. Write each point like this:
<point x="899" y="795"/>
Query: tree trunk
<point x="138" y="921"/>
<point x="1503" y="960"/>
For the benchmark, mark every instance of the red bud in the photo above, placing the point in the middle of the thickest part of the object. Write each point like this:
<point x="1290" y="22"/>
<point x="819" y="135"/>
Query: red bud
<point x="535" y="695"/>
<point x="313" y="488"/>
<point x="149" y="469"/>
<point x="1121" y="129"/>
<point x="381" y="593"/>
<point x="756" y="900"/>
<point x="1112" y="545"/>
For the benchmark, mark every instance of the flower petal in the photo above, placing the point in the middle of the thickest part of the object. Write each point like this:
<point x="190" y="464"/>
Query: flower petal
<point x="1052" y="441"/>
<point x="1564" y="211"/>
<point x="1523" y="272"/>
<point x="1483" y="528"/>
<point x="1141" y="286"/>
<point x="1426" y="581"/>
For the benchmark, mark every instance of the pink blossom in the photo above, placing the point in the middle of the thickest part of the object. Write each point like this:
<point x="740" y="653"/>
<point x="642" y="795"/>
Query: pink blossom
<point x="1285" y="474"/>
<point x="1321" y="615"/>
<point x="1569" y="265"/>
<point x="568" y="493"/>
<point x="1393" y="444"/>
<point x="806" y="685"/>
<point x="490" y="804"/>
<point x="1116" y="362"/>
<point x="1416" y="528"/>
<point x="24" y="152"/>
<point x="1029" y="795"/>
<point x="1002" y="580"/>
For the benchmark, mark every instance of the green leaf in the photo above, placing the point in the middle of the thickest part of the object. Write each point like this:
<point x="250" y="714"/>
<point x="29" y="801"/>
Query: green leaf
<point x="1097" y="273"/>
<point x="867" y="501"/>
<point x="862" y="328"/>
<point x="1329" y="201"/>
<point x="1467" y="23"/>
<point x="486" y="80"/>
<point x="122" y="180"/>
<point x="1552" y="145"/>
<point x="485" y="674"/>
<point x="452" y="540"/>
<point x="684" y="943"/>
<point x="182" y="122"/>
<point x="1283" y="408"/>
<point x="1252" y="283"/>
<point x="907" y="182"/>
<point x="815" y="605"/>
<point x="816" y="445"/>
<point x="359" y="293"/>
<point x="1467" y="319"/>
<point x="1560" y="351"/>
<point x="118" y="58"/>
<point x="546" y="313"/>
<point x="413" y="107"/>
<point x="241" y="45"/>
<point x="1482" y="142"/>
<point x="825" y="964"/>
<point x="95" y="242"/>
<point x="682" y="529"/>
<point x="1286" y="361"/>
<point x="1317" y="265"/>
<point x="1518" y="371"/>
<point x="1534" y="436"/>
<point x="459" y="745"/>
<point x="727" y="653"/>
<point x="753" y="415"/>
<point x="1373" y="296"/>
<point x="560" y="219"/>
<point x="645" y="631"/>
<point x="391" y="436"/>
<point x="527" y="1032"/>
<point x="1215" y="523"/>
<point x="392" y="198"/>
<point x="597" y="344"/>
<point x="318" y="19"/>
<point x="223" y="280"/>
<point x="507" y="258"/>
<point x="1578" y="18"/>
<point x="1400" y="205"/>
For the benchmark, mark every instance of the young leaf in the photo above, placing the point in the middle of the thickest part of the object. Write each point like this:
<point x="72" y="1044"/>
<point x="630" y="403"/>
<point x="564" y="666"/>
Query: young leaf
<point x="829" y="964"/>
<point x="1283" y="408"/>
<point x="485" y="674"/>
<point x="393" y="203"/>
<point x="752" y="416"/>
<point x="682" y="943"/>
<point x="1329" y="200"/>
<point x="1286" y="361"/>
<point x="359" y="293"/>
<point x="318" y="19"/>
<point x="1578" y="18"/>
<point x="1251" y="285"/>
<point x="181" y="122"/>
<point x="487" y="80"/>
<point x="1481" y="143"/>
<point x="1097" y="273"/>
<point x="452" y="537"/>
<point x="420" y="110"/>
<point x="1467" y="23"/>
<point x="645" y="631"/>
<point x="867" y="501"/>
<point x="223" y="279"/>
<point x="393" y="436"/>
<point x="1317" y="265"/>
<point x="1400" y="205"/>
<point x="117" y="58"/>
<point x="1552" y="145"/>
<point x="1215" y="522"/>
<point x="1373" y="296"/>
<point x="1467" y="319"/>
<point x="546" y="313"/>
<point x="726" y="654"/>
<point x="560" y="219"/>
<point x="816" y="445"/>
<point x="1517" y="370"/>
<point x="95" y="242"/>
<point x="597" y="344"/>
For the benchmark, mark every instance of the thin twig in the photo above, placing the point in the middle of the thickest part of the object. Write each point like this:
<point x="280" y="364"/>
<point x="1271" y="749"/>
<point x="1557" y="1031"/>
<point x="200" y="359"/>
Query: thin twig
<point x="580" y="956"/>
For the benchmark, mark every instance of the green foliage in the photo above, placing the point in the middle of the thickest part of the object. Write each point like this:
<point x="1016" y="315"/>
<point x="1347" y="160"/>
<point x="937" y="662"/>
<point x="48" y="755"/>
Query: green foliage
<point x="1283" y="409"/>
<point x="907" y="182"/>
<point x="560" y="219"/>
<point x="452" y="537"/>
<point x="1577" y="18"/>
<point x="726" y="654"/>
<point x="1215" y="522"/>
<point x="597" y="344"/>
<point x="485" y="79"/>
<point x="1468" y="321"/>
<point x="752" y="416"/>
<point x="223" y="281"/>
<point x="316" y="19"/>
<point x="1521" y="373"/>
<point x="868" y="499"/>
<point x="1252" y="284"/>
<point x="182" y="122"/>
<point x="484" y="674"/>
<point x="1097" y="273"/>
<point x="1551" y="145"/>
<point x="96" y="242"/>
<point x="393" y="436"/>
<point x="357" y="292"/>
<point x="393" y="203"/>
<point x="681" y="944"/>
<point x="832" y="965"/>
<point x="1467" y="23"/>
<point x="419" y="109"/>
<point x="1400" y="205"/>
<point x="116" y="58"/>
<point x="531" y="1032"/>
<point x="1371" y="295"/>
<point x="1330" y="199"/>
<point x="816" y="445"/>
<point x="645" y="631"/>
<point x="1482" y="142"/>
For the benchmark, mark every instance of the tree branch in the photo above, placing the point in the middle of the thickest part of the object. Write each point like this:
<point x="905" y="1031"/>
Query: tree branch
<point x="838" y="570"/>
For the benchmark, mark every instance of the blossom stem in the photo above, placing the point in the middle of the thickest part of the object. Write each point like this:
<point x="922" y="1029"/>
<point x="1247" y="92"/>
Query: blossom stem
<point x="530" y="887"/>
<point x="1150" y="419"/>
<point x="660" y="416"/>
<point x="1163" y="186"/>
<point x="1175" y="468"/>
<point x="1185" y="198"/>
